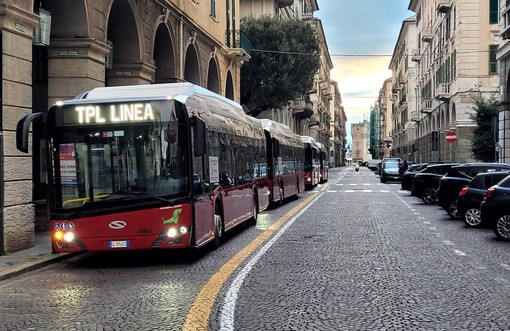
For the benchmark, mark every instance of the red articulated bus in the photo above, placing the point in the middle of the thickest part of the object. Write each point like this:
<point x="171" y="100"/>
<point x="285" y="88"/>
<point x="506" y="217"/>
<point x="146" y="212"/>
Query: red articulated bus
<point x="285" y="157"/>
<point x="324" y="163"/>
<point x="312" y="163"/>
<point x="158" y="166"/>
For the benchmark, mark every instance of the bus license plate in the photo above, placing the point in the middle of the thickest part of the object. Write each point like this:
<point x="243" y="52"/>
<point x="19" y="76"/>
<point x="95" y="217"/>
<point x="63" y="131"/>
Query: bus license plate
<point x="118" y="244"/>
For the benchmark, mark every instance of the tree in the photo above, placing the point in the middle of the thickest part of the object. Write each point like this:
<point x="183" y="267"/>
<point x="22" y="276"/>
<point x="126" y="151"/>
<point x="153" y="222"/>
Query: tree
<point x="284" y="60"/>
<point x="482" y="142"/>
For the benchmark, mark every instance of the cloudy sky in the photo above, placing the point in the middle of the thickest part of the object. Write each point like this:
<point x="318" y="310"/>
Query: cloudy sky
<point x="361" y="36"/>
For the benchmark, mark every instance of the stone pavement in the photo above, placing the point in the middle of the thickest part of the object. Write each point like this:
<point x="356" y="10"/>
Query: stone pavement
<point x="29" y="259"/>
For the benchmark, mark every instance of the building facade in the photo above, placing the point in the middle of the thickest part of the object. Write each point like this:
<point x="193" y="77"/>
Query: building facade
<point x="455" y="58"/>
<point x="503" y="58"/>
<point x="360" y="135"/>
<point x="308" y="115"/>
<point x="56" y="49"/>
<point x="403" y="110"/>
<point x="337" y="137"/>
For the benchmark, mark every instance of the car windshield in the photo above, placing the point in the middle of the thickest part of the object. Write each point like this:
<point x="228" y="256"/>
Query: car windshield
<point x="391" y="165"/>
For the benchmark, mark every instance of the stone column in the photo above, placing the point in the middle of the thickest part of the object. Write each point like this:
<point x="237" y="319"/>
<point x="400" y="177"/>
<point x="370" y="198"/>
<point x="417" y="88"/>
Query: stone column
<point x="75" y="65"/>
<point x="17" y="209"/>
<point x="130" y="73"/>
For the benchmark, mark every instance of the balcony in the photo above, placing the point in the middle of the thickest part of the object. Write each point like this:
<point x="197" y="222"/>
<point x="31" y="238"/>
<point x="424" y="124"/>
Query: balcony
<point x="415" y="116"/>
<point x="443" y="6"/>
<point x="443" y="92"/>
<point x="302" y="108"/>
<point x="415" y="55"/>
<point x="239" y="46"/>
<point x="284" y="3"/>
<point x="426" y="106"/>
<point x="426" y="35"/>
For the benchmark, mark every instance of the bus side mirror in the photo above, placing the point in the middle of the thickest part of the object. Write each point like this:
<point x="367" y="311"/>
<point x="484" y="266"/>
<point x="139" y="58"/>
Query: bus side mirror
<point x="199" y="143"/>
<point x="22" y="130"/>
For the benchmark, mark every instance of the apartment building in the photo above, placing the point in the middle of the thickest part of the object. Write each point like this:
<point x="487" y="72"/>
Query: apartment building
<point x="385" y="102"/>
<point x="308" y="115"/>
<point x="55" y="49"/>
<point x="503" y="58"/>
<point x="455" y="58"/>
<point x="404" y="114"/>
<point x="337" y="136"/>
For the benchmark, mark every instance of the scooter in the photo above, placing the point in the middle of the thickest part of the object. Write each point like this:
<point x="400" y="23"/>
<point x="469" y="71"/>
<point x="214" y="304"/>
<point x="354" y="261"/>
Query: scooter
<point x="356" y="166"/>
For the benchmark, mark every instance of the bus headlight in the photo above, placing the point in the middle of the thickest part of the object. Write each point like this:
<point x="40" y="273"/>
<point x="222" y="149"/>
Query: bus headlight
<point x="69" y="237"/>
<point x="64" y="236"/>
<point x="172" y="232"/>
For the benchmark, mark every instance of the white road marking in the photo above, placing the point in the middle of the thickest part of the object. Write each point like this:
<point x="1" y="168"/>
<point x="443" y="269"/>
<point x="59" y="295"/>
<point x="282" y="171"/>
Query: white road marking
<point x="227" y="311"/>
<point x="461" y="253"/>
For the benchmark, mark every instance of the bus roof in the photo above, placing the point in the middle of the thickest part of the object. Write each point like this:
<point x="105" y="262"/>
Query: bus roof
<point x="177" y="91"/>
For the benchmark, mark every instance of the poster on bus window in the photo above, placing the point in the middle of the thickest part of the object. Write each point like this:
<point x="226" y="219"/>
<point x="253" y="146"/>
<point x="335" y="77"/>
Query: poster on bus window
<point x="67" y="164"/>
<point x="214" y="172"/>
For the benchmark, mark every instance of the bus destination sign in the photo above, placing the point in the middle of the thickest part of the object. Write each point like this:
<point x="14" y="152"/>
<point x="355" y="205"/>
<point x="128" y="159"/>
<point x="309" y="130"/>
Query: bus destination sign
<point x="109" y="113"/>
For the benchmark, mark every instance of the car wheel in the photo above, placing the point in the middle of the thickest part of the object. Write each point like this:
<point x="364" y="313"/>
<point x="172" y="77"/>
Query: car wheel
<point x="453" y="211"/>
<point x="429" y="195"/>
<point x="502" y="227"/>
<point x="472" y="217"/>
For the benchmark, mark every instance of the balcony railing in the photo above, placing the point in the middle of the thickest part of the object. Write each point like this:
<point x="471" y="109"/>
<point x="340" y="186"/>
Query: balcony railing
<point x="239" y="46"/>
<point x="443" y="91"/>
<point x="303" y="108"/>
<point x="426" y="106"/>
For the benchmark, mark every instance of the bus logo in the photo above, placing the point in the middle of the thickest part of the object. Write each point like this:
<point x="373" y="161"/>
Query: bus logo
<point x="117" y="224"/>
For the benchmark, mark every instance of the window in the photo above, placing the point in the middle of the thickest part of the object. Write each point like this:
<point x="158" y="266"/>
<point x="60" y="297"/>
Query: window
<point x="213" y="8"/>
<point x="493" y="12"/>
<point x="493" y="63"/>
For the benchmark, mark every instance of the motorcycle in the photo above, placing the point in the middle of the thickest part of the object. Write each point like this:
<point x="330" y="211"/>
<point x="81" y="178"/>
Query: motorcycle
<point x="356" y="167"/>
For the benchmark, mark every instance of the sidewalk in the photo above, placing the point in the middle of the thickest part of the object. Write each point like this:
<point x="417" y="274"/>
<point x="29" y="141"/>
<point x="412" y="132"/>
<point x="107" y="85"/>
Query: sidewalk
<point x="29" y="259"/>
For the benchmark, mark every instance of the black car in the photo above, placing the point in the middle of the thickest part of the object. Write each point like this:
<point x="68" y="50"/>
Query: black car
<point x="389" y="169"/>
<point x="425" y="182"/>
<point x="494" y="208"/>
<point x="471" y="196"/>
<point x="408" y="176"/>
<point x="457" y="178"/>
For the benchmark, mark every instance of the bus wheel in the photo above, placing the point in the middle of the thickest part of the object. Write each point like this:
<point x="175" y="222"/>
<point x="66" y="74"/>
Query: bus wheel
<point x="218" y="228"/>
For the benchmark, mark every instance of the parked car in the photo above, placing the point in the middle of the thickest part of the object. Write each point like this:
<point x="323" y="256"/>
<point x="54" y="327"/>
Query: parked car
<point x="494" y="208"/>
<point x="406" y="182"/>
<point x="426" y="182"/>
<point x="471" y="196"/>
<point x="457" y="178"/>
<point x="373" y="164"/>
<point x="389" y="169"/>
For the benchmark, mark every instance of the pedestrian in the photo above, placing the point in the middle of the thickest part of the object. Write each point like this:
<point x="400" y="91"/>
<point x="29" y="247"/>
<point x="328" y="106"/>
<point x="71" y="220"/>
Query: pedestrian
<point x="402" y="167"/>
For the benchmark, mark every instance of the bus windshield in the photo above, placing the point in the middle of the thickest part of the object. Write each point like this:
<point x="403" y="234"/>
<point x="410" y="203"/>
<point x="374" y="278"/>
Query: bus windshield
<point x="132" y="160"/>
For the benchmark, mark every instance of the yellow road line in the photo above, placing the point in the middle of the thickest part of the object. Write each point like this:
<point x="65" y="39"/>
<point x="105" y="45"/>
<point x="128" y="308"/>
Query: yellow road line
<point x="198" y="315"/>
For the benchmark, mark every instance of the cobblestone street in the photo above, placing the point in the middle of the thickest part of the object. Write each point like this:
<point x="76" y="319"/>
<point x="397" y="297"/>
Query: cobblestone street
<point x="361" y="256"/>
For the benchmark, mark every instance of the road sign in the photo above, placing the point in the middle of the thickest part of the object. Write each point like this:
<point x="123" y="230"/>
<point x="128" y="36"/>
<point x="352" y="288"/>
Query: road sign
<point x="451" y="137"/>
